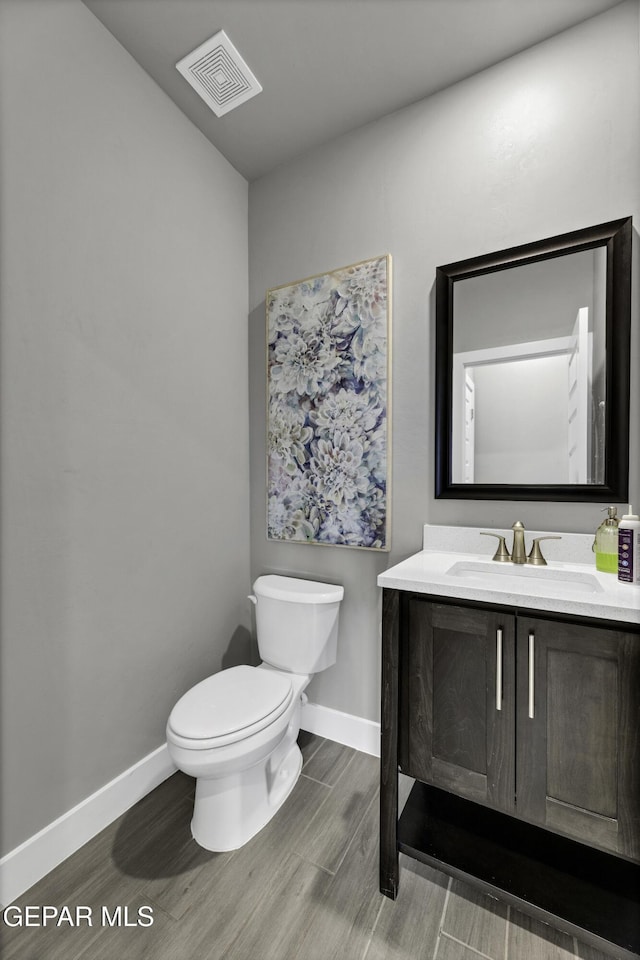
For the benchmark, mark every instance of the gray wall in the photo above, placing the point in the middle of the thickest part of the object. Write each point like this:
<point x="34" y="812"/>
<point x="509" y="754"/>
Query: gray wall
<point x="125" y="484"/>
<point x="543" y="143"/>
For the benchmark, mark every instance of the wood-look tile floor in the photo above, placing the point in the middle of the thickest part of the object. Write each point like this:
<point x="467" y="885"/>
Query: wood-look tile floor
<point x="306" y="888"/>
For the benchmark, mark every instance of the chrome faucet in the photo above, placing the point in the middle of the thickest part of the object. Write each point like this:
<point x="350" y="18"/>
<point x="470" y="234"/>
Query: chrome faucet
<point x="518" y="552"/>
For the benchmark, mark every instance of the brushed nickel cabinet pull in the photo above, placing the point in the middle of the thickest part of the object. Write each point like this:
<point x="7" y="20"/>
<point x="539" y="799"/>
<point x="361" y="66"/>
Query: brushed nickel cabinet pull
<point x="532" y="642"/>
<point x="499" y="668"/>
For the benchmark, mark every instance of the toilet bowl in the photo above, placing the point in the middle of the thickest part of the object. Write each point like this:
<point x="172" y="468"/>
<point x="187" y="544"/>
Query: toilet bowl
<point x="236" y="731"/>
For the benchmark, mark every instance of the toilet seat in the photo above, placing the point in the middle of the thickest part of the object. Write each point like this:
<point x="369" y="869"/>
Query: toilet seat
<point x="229" y="706"/>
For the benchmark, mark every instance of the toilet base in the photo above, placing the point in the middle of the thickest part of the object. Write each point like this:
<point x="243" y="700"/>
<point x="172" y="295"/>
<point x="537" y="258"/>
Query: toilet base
<point x="230" y="810"/>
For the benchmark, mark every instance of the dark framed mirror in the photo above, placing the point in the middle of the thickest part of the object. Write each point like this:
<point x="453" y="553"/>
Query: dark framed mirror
<point x="532" y="370"/>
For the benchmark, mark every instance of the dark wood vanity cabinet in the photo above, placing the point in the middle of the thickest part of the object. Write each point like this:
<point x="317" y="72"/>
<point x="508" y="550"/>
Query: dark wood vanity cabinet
<point x="522" y="731"/>
<point x="529" y="716"/>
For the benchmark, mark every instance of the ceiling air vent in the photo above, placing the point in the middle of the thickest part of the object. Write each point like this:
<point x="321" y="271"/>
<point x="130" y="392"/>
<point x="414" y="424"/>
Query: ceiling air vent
<point x="219" y="74"/>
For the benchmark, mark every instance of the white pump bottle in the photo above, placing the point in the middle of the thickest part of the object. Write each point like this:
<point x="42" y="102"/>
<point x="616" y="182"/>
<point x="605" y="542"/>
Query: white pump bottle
<point x="629" y="548"/>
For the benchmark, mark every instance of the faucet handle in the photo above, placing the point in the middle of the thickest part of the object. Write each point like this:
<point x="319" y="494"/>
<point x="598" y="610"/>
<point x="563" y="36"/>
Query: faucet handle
<point x="502" y="554"/>
<point x="535" y="555"/>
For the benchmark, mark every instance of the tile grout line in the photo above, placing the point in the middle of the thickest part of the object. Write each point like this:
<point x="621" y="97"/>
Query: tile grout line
<point x="375" y="799"/>
<point x="318" y="866"/>
<point x="315" y="780"/>
<point x="442" y="916"/>
<point x="329" y="789"/>
<point x="309" y="758"/>
<point x="506" y="933"/>
<point x="373" y="930"/>
<point x="467" y="946"/>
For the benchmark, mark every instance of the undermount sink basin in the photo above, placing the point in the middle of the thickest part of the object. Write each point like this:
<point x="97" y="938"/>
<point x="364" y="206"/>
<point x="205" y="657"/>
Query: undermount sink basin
<point x="491" y="573"/>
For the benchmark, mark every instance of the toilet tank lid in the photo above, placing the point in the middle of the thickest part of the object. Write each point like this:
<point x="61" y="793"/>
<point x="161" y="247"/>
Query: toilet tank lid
<point x="295" y="590"/>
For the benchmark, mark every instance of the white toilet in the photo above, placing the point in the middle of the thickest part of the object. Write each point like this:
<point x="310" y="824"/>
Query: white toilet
<point x="236" y="731"/>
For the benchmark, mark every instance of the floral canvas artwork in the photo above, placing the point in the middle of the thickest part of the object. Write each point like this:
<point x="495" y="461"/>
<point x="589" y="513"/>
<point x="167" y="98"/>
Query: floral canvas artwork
<point x="328" y="408"/>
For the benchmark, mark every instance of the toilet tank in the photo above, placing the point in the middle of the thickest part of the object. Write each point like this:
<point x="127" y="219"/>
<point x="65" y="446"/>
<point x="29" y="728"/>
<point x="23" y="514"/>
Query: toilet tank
<point x="297" y="622"/>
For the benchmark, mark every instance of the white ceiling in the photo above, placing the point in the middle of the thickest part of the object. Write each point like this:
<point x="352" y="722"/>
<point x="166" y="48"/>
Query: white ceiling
<point x="327" y="66"/>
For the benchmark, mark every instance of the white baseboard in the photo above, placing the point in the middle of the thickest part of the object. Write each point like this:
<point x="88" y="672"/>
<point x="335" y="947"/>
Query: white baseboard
<point x="344" y="728"/>
<point x="41" y="853"/>
<point x="38" y="855"/>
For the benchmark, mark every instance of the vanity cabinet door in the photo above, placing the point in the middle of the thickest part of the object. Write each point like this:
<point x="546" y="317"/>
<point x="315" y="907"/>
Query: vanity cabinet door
<point x="460" y="675"/>
<point x="578" y="736"/>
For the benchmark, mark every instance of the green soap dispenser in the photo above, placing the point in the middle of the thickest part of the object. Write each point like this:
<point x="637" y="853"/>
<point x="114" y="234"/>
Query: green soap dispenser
<point x="605" y="544"/>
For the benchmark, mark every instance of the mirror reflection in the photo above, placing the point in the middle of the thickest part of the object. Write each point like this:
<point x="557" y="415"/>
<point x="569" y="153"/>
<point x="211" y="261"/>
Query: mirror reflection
<point x="532" y="370"/>
<point x="529" y="373"/>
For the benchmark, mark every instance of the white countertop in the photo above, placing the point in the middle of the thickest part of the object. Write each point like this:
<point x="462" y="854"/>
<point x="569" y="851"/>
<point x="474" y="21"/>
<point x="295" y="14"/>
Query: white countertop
<point x="561" y="587"/>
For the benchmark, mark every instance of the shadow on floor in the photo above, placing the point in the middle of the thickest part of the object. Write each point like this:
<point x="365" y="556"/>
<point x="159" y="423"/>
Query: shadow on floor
<point x="154" y="838"/>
